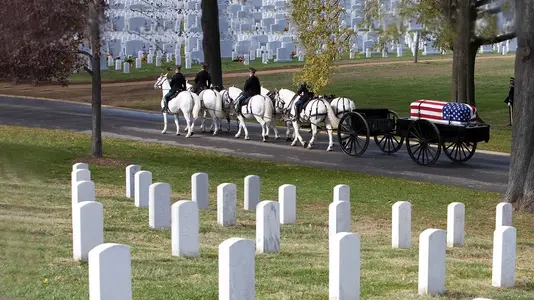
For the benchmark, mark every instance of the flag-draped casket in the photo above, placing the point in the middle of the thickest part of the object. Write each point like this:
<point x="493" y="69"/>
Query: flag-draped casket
<point x="443" y="112"/>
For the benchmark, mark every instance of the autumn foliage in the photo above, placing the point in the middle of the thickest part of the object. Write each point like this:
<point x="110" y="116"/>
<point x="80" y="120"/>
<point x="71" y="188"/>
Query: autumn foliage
<point x="40" y="39"/>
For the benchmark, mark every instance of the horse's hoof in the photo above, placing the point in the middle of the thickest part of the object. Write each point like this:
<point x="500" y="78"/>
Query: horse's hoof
<point x="192" y="133"/>
<point x="163" y="132"/>
<point x="276" y="137"/>
<point x="309" y="146"/>
<point x="329" y="149"/>
<point x="304" y="144"/>
<point x="288" y="139"/>
<point x="293" y="144"/>
<point x="236" y="136"/>
<point x="177" y="133"/>
<point x="247" y="138"/>
<point x="266" y="137"/>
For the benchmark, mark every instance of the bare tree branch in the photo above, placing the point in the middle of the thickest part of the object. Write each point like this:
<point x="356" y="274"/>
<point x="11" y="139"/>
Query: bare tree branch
<point x="491" y="11"/>
<point x="88" y="70"/>
<point x="85" y="53"/>
<point x="496" y="39"/>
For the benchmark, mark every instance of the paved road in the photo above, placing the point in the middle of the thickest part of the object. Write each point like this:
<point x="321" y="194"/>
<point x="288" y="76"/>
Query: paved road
<point x="487" y="172"/>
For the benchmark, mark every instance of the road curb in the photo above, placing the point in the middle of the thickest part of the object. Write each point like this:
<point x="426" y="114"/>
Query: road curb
<point x="156" y="113"/>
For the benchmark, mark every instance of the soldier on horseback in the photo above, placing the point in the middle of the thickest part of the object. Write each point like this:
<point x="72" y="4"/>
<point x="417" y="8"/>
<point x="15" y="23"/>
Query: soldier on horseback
<point x="305" y="95"/>
<point x="252" y="88"/>
<point x="177" y="85"/>
<point x="202" y="80"/>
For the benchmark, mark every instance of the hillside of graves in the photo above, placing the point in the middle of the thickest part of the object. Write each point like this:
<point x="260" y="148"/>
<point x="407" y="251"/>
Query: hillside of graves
<point x="37" y="252"/>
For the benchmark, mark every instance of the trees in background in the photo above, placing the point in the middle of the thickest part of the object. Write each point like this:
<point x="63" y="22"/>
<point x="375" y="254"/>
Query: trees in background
<point x="462" y="26"/>
<point x="41" y="41"/>
<point x="319" y="32"/>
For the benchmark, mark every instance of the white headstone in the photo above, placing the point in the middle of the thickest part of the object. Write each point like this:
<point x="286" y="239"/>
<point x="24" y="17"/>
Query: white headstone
<point x="130" y="179"/>
<point x="504" y="257"/>
<point x="341" y="193"/>
<point x="159" y="205"/>
<point x="301" y="56"/>
<point x="432" y="245"/>
<point x="226" y="204"/>
<point x="79" y="175"/>
<point x="126" y="67"/>
<point x="401" y="225"/>
<point x="185" y="229"/>
<point x="80" y="166"/>
<point x="87" y="228"/>
<point x="188" y="63"/>
<point x="252" y="55"/>
<point x="158" y="61"/>
<point x="344" y="267"/>
<point x="237" y="269"/>
<point x="83" y="191"/>
<point x="168" y="57"/>
<point x="234" y="55"/>
<point x="200" y="190"/>
<point x="399" y="51"/>
<point x="384" y="53"/>
<point x="351" y="54"/>
<point x="150" y="59"/>
<point x="138" y="63"/>
<point x="118" y="65"/>
<point x="367" y="52"/>
<point x="287" y="198"/>
<point x="110" y="272"/>
<point x="455" y="224"/>
<point x="267" y="227"/>
<point x="143" y="180"/>
<point x="252" y="192"/>
<point x="264" y="58"/>
<point x="338" y="218"/>
<point x="110" y="61"/>
<point x="503" y="215"/>
<point x="246" y="60"/>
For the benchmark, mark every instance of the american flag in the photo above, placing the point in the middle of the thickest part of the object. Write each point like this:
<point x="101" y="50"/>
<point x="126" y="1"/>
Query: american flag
<point x="443" y="112"/>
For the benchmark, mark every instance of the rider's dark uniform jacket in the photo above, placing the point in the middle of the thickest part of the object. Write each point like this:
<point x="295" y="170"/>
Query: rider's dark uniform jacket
<point x="252" y="86"/>
<point x="178" y="82"/>
<point x="202" y="80"/>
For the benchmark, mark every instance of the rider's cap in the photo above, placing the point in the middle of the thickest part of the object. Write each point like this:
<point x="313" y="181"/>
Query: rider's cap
<point x="178" y="67"/>
<point x="204" y="64"/>
<point x="252" y="70"/>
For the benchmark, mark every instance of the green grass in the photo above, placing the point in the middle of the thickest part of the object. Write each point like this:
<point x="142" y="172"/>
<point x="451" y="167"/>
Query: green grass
<point x="36" y="254"/>
<point x="149" y="71"/>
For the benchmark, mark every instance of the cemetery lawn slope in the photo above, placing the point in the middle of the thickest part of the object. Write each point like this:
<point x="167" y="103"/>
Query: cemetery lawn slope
<point x="36" y="248"/>
<point x="389" y="85"/>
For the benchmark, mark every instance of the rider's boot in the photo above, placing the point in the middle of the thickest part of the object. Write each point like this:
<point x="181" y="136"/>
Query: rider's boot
<point x="165" y="106"/>
<point x="297" y="112"/>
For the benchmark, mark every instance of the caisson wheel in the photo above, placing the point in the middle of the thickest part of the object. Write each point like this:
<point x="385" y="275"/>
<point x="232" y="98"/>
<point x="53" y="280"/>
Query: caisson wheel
<point x="353" y="134"/>
<point x="387" y="141"/>
<point x="422" y="134"/>
<point x="459" y="151"/>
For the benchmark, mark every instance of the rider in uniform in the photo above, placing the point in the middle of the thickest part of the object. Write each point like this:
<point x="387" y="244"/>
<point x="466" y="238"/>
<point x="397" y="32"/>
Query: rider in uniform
<point x="305" y="95"/>
<point x="510" y="99"/>
<point x="202" y="80"/>
<point x="177" y="85"/>
<point x="252" y="88"/>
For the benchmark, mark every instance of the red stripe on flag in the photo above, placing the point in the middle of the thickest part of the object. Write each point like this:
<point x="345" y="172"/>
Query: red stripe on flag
<point x="422" y="108"/>
<point x="424" y="116"/>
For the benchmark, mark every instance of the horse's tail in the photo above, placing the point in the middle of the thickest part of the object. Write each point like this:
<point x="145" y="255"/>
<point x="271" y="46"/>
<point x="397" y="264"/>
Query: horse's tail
<point x="218" y="105"/>
<point x="197" y="105"/>
<point x="331" y="114"/>
<point x="269" y="108"/>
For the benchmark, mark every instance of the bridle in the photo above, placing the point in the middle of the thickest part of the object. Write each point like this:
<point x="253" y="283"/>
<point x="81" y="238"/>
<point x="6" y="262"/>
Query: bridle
<point x="159" y="82"/>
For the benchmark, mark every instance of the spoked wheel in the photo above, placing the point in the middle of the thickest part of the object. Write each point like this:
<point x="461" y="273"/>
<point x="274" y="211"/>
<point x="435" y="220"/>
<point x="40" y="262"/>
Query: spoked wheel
<point x="459" y="151"/>
<point x="388" y="142"/>
<point x="353" y="134"/>
<point x="421" y="134"/>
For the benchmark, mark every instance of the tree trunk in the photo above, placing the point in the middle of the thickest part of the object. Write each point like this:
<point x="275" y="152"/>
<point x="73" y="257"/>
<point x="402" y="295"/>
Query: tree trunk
<point x="471" y="59"/>
<point x="416" y="50"/>
<point x="521" y="177"/>
<point x="211" y="40"/>
<point x="96" y="90"/>
<point x="461" y="53"/>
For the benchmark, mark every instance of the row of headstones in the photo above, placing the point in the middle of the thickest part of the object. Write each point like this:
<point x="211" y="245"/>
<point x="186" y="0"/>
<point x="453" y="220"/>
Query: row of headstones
<point x="432" y="247"/>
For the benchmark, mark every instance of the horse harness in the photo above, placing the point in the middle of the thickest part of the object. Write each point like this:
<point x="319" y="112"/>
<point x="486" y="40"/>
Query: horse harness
<point x="287" y="111"/>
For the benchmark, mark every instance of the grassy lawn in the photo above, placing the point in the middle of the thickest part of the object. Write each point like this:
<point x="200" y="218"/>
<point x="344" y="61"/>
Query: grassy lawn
<point x="36" y="252"/>
<point x="148" y="71"/>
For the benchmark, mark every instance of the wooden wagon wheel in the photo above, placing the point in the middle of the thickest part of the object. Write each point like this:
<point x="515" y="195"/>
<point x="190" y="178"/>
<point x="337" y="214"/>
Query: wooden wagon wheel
<point x="388" y="142"/>
<point x="353" y="134"/>
<point x="459" y="151"/>
<point x="421" y="134"/>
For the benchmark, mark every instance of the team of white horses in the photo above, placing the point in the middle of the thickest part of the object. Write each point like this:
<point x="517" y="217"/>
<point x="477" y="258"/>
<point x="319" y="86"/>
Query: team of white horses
<point x="263" y="108"/>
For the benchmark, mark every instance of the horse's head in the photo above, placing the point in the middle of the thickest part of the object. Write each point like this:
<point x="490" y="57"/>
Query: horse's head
<point x="158" y="85"/>
<point x="188" y="86"/>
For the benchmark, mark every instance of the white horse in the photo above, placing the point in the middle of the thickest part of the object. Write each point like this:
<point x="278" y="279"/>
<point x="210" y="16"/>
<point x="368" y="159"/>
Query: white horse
<point x="259" y="107"/>
<point x="316" y="110"/>
<point x="211" y="103"/>
<point x="341" y="105"/>
<point x="186" y="102"/>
